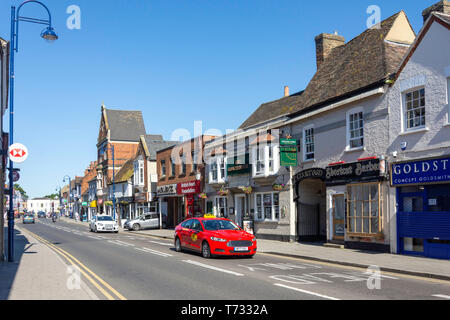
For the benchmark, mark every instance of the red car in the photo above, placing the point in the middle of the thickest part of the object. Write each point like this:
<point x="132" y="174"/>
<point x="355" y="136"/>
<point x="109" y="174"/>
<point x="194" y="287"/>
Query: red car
<point x="214" y="236"/>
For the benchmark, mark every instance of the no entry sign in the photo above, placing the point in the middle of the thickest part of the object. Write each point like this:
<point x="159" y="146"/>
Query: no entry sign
<point x="18" y="153"/>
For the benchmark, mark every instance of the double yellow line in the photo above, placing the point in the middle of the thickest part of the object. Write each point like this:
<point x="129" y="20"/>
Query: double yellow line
<point x="96" y="281"/>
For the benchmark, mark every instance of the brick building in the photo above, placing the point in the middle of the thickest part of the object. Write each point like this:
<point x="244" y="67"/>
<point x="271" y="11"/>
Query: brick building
<point x="181" y="180"/>
<point x="121" y="130"/>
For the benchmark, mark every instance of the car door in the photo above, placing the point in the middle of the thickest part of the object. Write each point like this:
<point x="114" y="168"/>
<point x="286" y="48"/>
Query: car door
<point x="185" y="231"/>
<point x="195" y="235"/>
<point x="147" y="221"/>
<point x="154" y="220"/>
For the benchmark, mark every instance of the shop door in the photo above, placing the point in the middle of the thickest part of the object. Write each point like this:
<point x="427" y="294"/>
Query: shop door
<point x="308" y="222"/>
<point x="338" y="217"/>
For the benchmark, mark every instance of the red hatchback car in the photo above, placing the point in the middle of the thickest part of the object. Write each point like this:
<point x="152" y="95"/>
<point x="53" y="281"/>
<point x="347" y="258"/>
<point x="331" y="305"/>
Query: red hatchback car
<point x="214" y="236"/>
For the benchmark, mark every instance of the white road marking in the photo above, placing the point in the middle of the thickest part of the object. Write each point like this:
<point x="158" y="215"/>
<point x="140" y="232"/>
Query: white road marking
<point x="305" y="291"/>
<point x="213" y="268"/>
<point x="162" y="243"/>
<point x="443" y="296"/>
<point x="159" y="253"/>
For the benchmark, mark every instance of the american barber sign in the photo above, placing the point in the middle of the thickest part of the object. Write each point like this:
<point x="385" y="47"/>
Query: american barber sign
<point x="421" y="172"/>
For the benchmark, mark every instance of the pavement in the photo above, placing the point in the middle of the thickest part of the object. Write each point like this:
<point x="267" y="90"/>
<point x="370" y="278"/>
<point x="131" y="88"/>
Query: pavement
<point x="38" y="273"/>
<point x="388" y="262"/>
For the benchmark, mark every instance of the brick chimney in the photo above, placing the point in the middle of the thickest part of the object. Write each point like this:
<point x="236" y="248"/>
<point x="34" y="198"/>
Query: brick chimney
<point x="442" y="6"/>
<point x="286" y="91"/>
<point x="325" y="43"/>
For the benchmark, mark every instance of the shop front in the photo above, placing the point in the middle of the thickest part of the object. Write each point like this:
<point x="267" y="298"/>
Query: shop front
<point x="356" y="196"/>
<point x="193" y="203"/>
<point x="171" y="205"/>
<point x="423" y="207"/>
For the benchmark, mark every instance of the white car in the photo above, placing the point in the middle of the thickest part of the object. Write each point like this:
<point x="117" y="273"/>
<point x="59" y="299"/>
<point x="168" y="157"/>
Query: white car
<point x="103" y="223"/>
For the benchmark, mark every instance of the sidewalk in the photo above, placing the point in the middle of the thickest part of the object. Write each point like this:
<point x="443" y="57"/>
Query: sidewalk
<point x="38" y="273"/>
<point x="416" y="266"/>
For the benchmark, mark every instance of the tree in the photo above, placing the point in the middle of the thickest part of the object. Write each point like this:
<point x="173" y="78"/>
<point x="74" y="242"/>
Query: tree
<point x="20" y="189"/>
<point x="53" y="196"/>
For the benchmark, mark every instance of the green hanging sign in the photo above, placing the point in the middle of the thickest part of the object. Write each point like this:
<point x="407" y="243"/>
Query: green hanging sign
<point x="288" y="152"/>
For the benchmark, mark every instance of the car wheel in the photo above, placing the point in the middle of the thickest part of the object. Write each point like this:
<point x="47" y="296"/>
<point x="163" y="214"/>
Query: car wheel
<point x="206" y="251"/>
<point x="178" y="247"/>
<point x="136" y="227"/>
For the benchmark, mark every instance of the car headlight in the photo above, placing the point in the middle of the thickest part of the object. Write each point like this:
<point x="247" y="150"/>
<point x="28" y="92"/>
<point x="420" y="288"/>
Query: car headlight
<point x="218" y="239"/>
<point x="100" y="224"/>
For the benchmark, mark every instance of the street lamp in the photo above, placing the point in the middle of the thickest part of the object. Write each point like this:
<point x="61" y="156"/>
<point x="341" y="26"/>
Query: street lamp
<point x="114" y="186"/>
<point x="66" y="177"/>
<point x="49" y="34"/>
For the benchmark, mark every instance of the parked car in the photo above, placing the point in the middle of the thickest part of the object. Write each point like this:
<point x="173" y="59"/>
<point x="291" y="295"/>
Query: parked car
<point x="103" y="223"/>
<point x="144" y="221"/>
<point x="28" y="218"/>
<point x="41" y="214"/>
<point x="214" y="236"/>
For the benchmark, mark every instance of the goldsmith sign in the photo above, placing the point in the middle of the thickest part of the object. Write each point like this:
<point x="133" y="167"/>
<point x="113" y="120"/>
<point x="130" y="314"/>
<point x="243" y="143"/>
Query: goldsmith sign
<point x="352" y="172"/>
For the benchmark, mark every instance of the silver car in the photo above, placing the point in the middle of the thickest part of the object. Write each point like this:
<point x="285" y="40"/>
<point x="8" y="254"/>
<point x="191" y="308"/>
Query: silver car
<point x="145" y="221"/>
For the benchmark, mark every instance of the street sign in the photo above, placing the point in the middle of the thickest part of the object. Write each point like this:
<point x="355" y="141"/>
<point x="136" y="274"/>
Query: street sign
<point x="17" y="153"/>
<point x="16" y="176"/>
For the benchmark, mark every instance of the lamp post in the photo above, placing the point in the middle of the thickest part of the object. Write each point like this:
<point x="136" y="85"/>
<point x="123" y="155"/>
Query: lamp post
<point x="49" y="34"/>
<point x="70" y="190"/>
<point x="114" y="186"/>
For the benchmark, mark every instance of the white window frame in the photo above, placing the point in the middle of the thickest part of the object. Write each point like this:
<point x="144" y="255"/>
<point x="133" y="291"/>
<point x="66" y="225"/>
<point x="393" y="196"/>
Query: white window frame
<point x="216" y="165"/>
<point x="217" y="207"/>
<point x="139" y="173"/>
<point x="163" y="168"/>
<point x="405" y="111"/>
<point x="263" y="153"/>
<point x="349" y="130"/>
<point x="305" y="144"/>
<point x="273" y="209"/>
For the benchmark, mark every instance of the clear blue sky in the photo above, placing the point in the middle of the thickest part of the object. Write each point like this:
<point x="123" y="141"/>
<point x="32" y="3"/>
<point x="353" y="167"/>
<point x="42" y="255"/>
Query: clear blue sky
<point x="178" y="61"/>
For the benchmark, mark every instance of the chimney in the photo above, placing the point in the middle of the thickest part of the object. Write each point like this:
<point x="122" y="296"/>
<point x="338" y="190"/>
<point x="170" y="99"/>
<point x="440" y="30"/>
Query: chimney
<point x="286" y="91"/>
<point x="442" y="6"/>
<point x="325" y="43"/>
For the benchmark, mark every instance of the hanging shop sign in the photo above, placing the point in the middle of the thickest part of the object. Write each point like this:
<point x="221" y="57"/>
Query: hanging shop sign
<point x="368" y="170"/>
<point x="421" y="172"/>
<point x="167" y="190"/>
<point x="190" y="187"/>
<point x="288" y="152"/>
<point x="93" y="204"/>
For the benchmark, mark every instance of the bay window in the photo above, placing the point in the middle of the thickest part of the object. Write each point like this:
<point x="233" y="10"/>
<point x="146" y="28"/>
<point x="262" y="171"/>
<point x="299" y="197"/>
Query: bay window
<point x="139" y="173"/>
<point x="267" y="206"/>
<point x="265" y="160"/>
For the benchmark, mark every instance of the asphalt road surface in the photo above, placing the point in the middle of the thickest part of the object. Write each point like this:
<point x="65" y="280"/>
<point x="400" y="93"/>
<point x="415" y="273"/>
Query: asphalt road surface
<point x="134" y="267"/>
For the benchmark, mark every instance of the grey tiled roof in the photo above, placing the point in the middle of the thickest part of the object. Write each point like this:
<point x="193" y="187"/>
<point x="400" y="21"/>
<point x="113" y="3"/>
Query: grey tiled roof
<point x="125" y="125"/>
<point x="156" y="143"/>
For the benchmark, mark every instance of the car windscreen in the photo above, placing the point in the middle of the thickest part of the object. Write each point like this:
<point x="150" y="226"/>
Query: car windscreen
<point x="104" y="219"/>
<point x="215" y="225"/>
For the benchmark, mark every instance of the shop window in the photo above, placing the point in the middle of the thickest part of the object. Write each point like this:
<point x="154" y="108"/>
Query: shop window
<point x="364" y="207"/>
<point x="221" y="207"/>
<point x="267" y="206"/>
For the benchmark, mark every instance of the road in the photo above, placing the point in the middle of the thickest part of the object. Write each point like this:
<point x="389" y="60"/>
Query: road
<point x="135" y="267"/>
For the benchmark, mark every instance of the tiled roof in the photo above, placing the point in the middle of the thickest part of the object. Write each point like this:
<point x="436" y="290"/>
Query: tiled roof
<point x="125" y="125"/>
<point x="155" y="143"/>
<point x="125" y="173"/>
